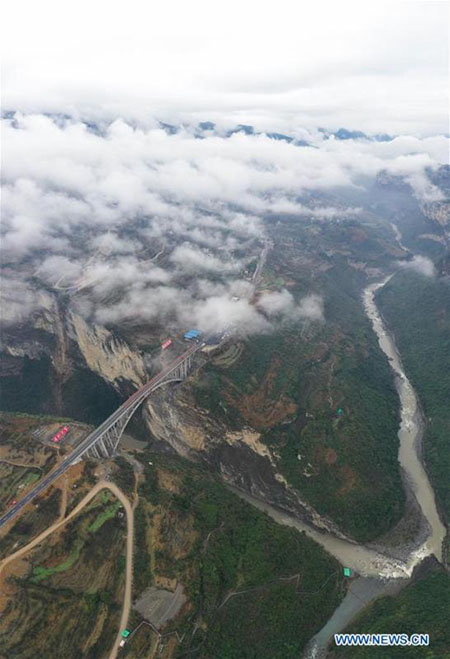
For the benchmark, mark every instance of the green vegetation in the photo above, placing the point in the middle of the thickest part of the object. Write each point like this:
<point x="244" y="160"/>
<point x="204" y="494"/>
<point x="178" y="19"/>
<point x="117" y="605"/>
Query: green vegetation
<point x="141" y="561"/>
<point x="354" y="475"/>
<point x="31" y="523"/>
<point x="111" y="511"/>
<point x="84" y="536"/>
<point x="216" y="545"/>
<point x="32" y="477"/>
<point x="422" y="608"/>
<point x="40" y="573"/>
<point x="10" y="479"/>
<point x="124" y="476"/>
<point x="288" y="385"/>
<point x="16" y="430"/>
<point x="38" y="418"/>
<point x="417" y="309"/>
<point x="69" y="604"/>
<point x="239" y="634"/>
<point x="396" y="202"/>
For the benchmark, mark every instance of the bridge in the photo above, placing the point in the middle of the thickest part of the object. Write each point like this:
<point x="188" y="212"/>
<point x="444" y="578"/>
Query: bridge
<point x="103" y="441"/>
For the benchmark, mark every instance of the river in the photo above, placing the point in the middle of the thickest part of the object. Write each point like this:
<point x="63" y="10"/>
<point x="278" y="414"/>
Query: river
<point x="364" y="590"/>
<point x="410" y="435"/>
<point x="380" y="573"/>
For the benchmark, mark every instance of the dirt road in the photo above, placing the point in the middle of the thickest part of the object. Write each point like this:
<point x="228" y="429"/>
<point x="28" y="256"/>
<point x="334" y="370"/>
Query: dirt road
<point x="13" y="463"/>
<point x="128" y="569"/>
<point x="101" y="485"/>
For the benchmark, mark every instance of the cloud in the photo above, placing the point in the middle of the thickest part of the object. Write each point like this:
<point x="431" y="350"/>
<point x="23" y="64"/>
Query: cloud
<point x="132" y="222"/>
<point x="292" y="207"/>
<point x="135" y="223"/>
<point x="282" y="304"/>
<point x="110" y="243"/>
<point x="17" y="300"/>
<point x="218" y="313"/>
<point x="276" y="303"/>
<point x="56" y="270"/>
<point x="311" y="307"/>
<point x="121" y="275"/>
<point x="420" y="264"/>
<point x="193" y="260"/>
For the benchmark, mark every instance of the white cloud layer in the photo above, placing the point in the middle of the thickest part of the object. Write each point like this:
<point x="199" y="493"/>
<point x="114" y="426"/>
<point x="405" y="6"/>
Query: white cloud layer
<point x="136" y="223"/>
<point x="378" y="67"/>
<point x="420" y="264"/>
<point x="282" y="304"/>
<point x="61" y="177"/>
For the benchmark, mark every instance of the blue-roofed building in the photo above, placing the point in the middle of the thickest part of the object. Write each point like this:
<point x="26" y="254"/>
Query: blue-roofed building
<point x="191" y="335"/>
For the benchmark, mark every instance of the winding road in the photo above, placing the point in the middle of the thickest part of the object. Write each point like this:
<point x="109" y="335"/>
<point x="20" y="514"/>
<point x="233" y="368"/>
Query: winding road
<point x="93" y="437"/>
<point x="139" y="395"/>
<point x="372" y="564"/>
<point x="127" y="596"/>
<point x="101" y="485"/>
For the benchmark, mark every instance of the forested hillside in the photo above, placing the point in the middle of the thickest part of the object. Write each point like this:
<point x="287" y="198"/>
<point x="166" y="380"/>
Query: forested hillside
<point x="417" y="309"/>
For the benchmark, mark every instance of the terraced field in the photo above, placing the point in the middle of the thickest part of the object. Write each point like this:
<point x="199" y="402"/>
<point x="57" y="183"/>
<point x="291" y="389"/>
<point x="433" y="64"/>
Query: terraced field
<point x="11" y="477"/>
<point x="35" y="520"/>
<point x="65" y="599"/>
<point x="192" y="532"/>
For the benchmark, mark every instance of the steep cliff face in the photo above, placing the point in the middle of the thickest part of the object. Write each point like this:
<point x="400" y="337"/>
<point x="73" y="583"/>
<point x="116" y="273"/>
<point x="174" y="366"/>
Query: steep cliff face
<point x="438" y="211"/>
<point x="237" y="455"/>
<point x="104" y="354"/>
<point x="59" y="364"/>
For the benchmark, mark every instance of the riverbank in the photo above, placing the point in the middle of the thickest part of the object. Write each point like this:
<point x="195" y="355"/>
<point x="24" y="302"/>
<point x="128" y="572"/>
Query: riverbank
<point x="420" y="533"/>
<point x="415" y="478"/>
<point x="385" y="566"/>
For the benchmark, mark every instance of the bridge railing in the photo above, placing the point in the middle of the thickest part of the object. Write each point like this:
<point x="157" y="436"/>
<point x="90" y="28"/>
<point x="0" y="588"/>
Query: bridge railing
<point x="169" y="374"/>
<point x="127" y="409"/>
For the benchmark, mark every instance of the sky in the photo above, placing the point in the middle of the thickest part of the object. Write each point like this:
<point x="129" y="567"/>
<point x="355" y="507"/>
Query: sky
<point x="377" y="67"/>
<point x="123" y="217"/>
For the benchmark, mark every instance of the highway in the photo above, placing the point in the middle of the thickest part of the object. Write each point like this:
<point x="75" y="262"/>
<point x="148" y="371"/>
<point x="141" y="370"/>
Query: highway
<point x="86" y="443"/>
<point x="141" y="393"/>
<point x="261" y="263"/>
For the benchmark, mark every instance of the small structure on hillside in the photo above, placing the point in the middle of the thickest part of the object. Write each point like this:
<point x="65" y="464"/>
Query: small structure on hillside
<point x="191" y="335"/>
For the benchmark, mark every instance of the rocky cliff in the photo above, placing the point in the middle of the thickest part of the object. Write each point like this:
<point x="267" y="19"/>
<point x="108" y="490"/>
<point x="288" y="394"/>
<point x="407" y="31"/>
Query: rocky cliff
<point x="59" y="364"/>
<point x="237" y="455"/>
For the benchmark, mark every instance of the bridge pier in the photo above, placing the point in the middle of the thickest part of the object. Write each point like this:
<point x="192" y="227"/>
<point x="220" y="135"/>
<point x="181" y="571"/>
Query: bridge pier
<point x="102" y="447"/>
<point x="106" y="444"/>
<point x="103" y="441"/>
<point x="93" y="452"/>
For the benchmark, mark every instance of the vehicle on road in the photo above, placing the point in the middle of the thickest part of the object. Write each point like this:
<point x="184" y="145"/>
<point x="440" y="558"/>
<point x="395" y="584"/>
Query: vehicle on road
<point x="88" y="442"/>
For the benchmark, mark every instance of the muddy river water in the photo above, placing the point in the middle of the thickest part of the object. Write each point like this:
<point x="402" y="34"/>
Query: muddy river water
<point x="410" y="436"/>
<point x="380" y="572"/>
